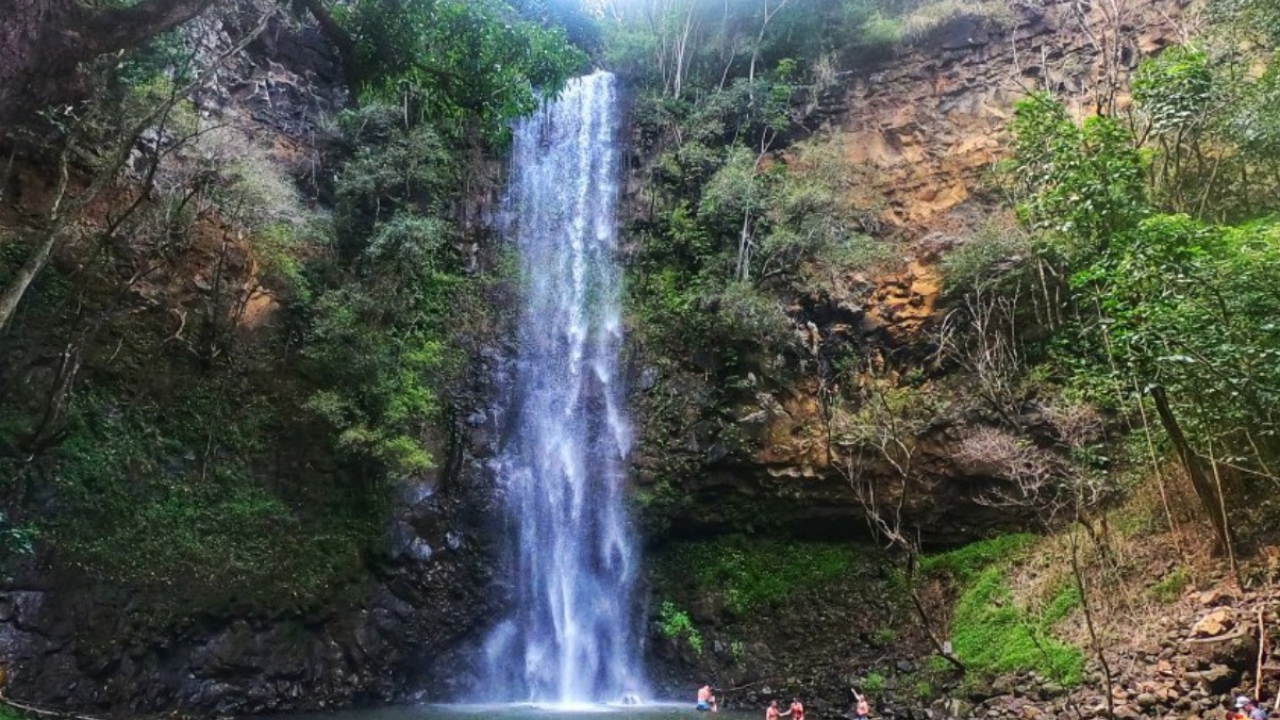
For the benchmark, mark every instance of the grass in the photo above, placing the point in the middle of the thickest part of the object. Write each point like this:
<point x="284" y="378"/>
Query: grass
<point x="752" y="573"/>
<point x="1170" y="587"/>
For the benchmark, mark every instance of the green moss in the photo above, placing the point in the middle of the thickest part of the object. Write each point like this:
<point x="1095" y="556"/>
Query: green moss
<point x="755" y="573"/>
<point x="992" y="634"/>
<point x="8" y="713"/>
<point x="923" y="690"/>
<point x="963" y="564"/>
<point x="153" y="497"/>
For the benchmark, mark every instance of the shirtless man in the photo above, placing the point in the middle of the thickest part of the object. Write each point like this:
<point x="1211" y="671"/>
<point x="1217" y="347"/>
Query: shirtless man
<point x="796" y="711"/>
<point x="772" y="712"/>
<point x="707" y="701"/>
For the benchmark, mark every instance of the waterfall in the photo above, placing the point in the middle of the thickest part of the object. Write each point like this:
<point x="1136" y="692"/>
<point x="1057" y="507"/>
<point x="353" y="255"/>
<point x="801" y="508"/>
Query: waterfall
<point x="572" y="634"/>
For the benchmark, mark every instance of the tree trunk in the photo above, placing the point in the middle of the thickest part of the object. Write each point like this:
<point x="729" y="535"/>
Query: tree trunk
<point x="1194" y="464"/>
<point x="43" y="42"/>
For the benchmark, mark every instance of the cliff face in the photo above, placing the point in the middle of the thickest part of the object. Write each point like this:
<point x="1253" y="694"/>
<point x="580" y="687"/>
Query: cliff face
<point x="71" y="637"/>
<point x="922" y="133"/>
<point x="922" y="129"/>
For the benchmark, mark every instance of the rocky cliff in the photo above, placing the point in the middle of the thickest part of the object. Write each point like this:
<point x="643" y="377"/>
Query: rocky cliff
<point x="921" y="132"/>
<point x="71" y="636"/>
<point x="922" y="128"/>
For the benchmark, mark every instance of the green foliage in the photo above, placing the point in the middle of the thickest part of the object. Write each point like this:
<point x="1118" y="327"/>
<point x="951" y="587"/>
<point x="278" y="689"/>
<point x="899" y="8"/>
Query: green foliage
<point x="379" y="341"/>
<point x="990" y="631"/>
<point x="1169" y="588"/>
<point x="923" y="690"/>
<point x="992" y="634"/>
<point x="1084" y="183"/>
<point x="710" y="272"/>
<point x="675" y="624"/>
<point x="151" y="496"/>
<point x="965" y="563"/>
<point x="885" y="637"/>
<point x="986" y="259"/>
<point x="165" y="55"/>
<point x="1174" y="89"/>
<point x="8" y="713"/>
<point x="873" y="683"/>
<point x="937" y="665"/>
<point x="15" y="540"/>
<point x="456" y="59"/>
<point x="752" y="574"/>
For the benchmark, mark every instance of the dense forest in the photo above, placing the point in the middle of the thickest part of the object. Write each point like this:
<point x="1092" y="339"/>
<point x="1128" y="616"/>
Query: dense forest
<point x="237" y="332"/>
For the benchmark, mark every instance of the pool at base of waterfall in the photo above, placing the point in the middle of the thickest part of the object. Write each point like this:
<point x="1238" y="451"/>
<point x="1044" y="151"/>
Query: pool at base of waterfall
<point x="532" y="711"/>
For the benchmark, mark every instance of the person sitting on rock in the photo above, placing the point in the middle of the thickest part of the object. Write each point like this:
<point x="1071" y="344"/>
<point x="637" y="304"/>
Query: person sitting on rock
<point x="706" y="700"/>
<point x="772" y="712"/>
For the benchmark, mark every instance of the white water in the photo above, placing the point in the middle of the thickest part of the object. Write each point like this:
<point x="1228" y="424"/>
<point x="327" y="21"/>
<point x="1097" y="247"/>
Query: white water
<point x="572" y="635"/>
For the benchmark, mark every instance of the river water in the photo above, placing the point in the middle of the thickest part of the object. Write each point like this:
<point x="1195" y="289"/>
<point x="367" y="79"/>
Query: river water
<point x="664" y="711"/>
<point x="571" y="553"/>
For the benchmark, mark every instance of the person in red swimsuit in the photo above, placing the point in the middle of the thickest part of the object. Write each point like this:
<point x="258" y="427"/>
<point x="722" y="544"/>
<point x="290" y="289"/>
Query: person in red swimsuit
<point x="796" y="711"/>
<point x="772" y="712"/>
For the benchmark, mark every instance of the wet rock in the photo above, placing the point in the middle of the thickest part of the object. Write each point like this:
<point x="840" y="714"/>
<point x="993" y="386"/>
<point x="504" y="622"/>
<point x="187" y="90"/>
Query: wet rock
<point x="648" y="378"/>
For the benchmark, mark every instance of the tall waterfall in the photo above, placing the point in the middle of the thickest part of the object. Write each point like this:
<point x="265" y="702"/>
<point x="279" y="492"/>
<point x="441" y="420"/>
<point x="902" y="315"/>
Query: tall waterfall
<point x="572" y="635"/>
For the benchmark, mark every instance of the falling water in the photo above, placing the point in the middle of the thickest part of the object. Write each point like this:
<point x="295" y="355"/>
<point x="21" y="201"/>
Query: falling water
<point x="572" y="634"/>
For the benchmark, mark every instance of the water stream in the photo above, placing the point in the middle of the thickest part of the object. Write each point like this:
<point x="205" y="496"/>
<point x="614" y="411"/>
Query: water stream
<point x="572" y="635"/>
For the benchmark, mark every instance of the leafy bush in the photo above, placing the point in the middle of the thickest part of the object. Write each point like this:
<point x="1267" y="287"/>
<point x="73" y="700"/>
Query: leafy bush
<point x="992" y="253"/>
<point x="1169" y="588"/>
<point x="873" y="683"/>
<point x="675" y="624"/>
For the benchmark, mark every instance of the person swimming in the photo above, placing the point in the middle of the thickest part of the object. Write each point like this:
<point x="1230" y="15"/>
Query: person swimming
<point x="706" y="700"/>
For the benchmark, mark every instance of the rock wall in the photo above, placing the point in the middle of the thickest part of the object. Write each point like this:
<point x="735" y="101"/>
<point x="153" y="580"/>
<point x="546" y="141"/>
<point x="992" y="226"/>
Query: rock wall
<point x="922" y="131"/>
<point x="399" y="631"/>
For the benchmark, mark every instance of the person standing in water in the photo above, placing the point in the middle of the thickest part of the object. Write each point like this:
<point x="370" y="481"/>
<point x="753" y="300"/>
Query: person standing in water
<point x="863" y="710"/>
<point x="772" y="712"/>
<point x="796" y="711"/>
<point x="707" y="701"/>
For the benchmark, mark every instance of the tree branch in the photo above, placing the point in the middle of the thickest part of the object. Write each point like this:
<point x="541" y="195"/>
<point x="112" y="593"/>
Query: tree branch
<point x="105" y="31"/>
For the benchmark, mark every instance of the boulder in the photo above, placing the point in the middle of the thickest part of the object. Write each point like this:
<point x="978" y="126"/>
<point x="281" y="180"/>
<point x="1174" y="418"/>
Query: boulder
<point x="1214" y="624"/>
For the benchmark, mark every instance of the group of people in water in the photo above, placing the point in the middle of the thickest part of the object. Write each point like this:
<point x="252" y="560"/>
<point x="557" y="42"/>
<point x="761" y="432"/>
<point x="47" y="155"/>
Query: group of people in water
<point x="707" y="703"/>
<point x="1245" y="707"/>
